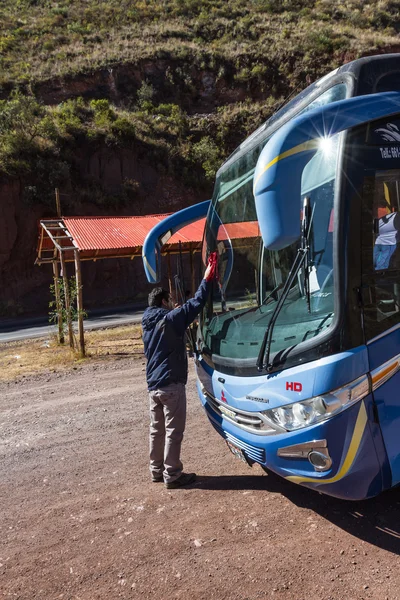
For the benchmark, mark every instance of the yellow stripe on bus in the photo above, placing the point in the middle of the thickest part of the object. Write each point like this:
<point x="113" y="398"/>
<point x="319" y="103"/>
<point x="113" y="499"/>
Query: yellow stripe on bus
<point x="310" y="145"/>
<point x="382" y="374"/>
<point x="152" y="272"/>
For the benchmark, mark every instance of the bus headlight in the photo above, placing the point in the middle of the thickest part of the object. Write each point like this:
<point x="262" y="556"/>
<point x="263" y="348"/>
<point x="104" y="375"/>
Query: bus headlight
<point x="308" y="412"/>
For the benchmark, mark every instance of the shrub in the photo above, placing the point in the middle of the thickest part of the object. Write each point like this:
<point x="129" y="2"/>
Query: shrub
<point x="71" y="115"/>
<point x="176" y="119"/>
<point x="123" y="128"/>
<point x="103" y="113"/>
<point x="21" y="115"/>
<point x="145" y="94"/>
<point x="208" y="154"/>
<point x="24" y="128"/>
<point x="66" y="315"/>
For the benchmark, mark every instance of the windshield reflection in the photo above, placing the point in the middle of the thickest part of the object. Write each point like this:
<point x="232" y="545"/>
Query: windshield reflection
<point x="251" y="277"/>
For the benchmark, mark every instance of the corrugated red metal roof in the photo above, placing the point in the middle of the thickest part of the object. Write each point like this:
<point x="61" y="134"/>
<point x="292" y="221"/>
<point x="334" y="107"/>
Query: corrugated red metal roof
<point x="190" y="233"/>
<point x="112" y="233"/>
<point x="103" y="237"/>
<point x="247" y="229"/>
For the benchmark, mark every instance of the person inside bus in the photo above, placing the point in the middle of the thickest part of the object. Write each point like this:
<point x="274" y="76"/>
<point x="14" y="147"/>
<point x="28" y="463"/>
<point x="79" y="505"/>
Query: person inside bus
<point x="387" y="229"/>
<point x="164" y="330"/>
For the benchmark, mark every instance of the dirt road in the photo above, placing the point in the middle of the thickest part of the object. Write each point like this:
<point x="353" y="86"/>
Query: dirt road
<point x="80" y="519"/>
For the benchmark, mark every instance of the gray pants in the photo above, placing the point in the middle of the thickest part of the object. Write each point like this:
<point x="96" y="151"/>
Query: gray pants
<point x="167" y="424"/>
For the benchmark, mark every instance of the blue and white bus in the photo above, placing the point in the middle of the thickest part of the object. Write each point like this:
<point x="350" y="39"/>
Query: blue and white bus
<point x="299" y="343"/>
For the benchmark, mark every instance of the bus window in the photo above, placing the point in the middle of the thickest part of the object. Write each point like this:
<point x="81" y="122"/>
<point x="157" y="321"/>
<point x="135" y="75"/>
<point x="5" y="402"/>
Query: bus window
<point x="381" y="261"/>
<point x="386" y="215"/>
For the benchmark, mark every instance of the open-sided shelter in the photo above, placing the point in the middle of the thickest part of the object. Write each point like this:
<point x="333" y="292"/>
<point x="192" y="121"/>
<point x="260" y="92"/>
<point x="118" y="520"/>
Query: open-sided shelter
<point x="74" y="239"/>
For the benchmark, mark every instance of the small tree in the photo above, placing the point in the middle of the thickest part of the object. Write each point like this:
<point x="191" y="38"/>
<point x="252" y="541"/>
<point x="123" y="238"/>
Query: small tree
<point x="65" y="315"/>
<point x="145" y="95"/>
<point x="207" y="153"/>
<point x="25" y="129"/>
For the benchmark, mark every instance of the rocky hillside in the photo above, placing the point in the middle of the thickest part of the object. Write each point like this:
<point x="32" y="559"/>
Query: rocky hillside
<point x="130" y="107"/>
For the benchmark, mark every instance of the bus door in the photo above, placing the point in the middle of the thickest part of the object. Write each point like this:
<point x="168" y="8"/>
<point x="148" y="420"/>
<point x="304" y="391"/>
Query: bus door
<point x="380" y="264"/>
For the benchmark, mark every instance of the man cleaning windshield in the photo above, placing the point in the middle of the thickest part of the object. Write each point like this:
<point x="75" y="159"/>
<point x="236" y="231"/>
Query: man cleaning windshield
<point x="167" y="367"/>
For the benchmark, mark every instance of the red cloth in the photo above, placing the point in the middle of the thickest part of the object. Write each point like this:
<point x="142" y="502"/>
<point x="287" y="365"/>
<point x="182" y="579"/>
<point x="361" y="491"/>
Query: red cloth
<point x="213" y="261"/>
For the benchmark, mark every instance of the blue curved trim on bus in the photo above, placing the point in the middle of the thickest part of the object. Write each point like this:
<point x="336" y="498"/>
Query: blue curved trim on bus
<point x="277" y="178"/>
<point x="152" y="243"/>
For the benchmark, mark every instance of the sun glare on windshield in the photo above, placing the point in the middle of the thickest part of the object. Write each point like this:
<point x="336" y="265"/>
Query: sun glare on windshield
<point x="326" y="145"/>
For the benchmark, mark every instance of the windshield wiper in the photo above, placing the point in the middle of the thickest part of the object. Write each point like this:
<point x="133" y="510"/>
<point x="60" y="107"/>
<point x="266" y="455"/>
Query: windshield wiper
<point x="306" y="227"/>
<point x="278" y="287"/>
<point x="301" y="256"/>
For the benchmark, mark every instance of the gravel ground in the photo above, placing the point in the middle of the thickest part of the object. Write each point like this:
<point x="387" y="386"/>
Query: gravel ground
<point x="82" y="521"/>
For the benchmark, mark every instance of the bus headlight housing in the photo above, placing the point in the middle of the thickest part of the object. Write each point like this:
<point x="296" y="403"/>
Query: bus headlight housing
<point x="308" y="412"/>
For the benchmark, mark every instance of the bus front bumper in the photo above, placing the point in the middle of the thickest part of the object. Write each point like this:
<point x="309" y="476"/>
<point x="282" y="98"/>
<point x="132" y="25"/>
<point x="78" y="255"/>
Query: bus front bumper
<point x="342" y="456"/>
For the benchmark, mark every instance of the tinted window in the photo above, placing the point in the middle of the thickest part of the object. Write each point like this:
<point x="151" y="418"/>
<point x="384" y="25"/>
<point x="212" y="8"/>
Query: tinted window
<point x="389" y="83"/>
<point x="381" y="251"/>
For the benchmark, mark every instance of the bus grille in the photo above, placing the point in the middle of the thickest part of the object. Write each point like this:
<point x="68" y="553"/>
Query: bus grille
<point x="253" y="422"/>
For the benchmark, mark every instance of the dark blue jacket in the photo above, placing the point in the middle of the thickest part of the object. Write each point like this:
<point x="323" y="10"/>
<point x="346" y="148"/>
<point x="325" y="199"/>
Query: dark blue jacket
<point x="164" y="339"/>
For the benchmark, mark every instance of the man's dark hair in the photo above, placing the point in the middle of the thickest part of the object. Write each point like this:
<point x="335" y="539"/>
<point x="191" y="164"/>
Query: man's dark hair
<point x="157" y="295"/>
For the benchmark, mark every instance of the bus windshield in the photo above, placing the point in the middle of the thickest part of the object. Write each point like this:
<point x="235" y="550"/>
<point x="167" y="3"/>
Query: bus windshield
<point x="250" y="279"/>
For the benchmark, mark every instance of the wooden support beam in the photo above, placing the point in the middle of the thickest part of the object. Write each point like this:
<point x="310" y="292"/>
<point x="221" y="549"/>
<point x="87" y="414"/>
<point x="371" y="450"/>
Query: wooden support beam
<point x="169" y="274"/>
<point x="79" y="303"/>
<point x="58" y="303"/>
<point x="67" y="300"/>
<point x="58" y="203"/>
<point x="193" y="274"/>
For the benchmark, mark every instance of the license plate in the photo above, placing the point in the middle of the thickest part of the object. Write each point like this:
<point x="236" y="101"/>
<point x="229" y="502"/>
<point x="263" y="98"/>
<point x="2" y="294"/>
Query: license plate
<point x="227" y="412"/>
<point x="238" y="452"/>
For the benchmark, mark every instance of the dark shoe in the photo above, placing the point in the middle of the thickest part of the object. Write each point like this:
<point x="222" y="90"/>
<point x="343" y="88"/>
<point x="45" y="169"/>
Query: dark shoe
<point x="183" y="479"/>
<point x="157" y="478"/>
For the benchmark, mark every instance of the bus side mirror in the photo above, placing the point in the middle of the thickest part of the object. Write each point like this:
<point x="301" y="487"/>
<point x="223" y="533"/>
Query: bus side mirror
<point x="162" y="232"/>
<point x="277" y="177"/>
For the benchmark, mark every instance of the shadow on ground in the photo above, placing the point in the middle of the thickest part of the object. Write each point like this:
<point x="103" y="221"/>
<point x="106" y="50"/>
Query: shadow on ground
<point x="376" y="521"/>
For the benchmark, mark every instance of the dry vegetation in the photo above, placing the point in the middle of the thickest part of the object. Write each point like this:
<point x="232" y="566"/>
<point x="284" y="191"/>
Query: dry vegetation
<point x="140" y="66"/>
<point x="42" y="39"/>
<point x="20" y="359"/>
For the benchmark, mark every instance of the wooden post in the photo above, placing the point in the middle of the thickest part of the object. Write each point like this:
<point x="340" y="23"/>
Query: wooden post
<point x="79" y="303"/>
<point x="67" y="301"/>
<point x="193" y="274"/>
<point x="58" y="303"/>
<point x="169" y="273"/>
<point x="58" y="204"/>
